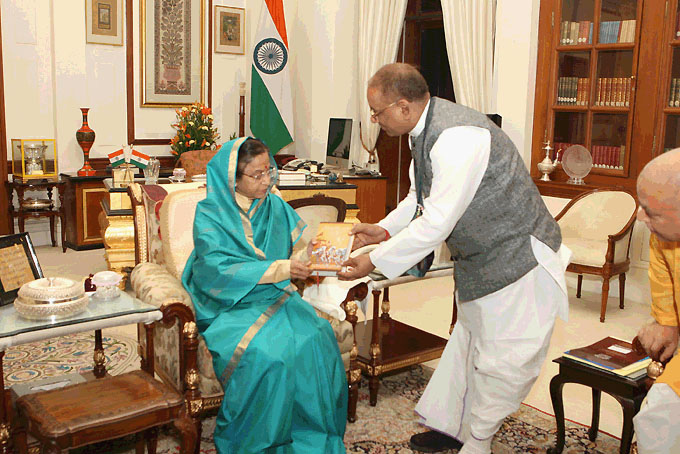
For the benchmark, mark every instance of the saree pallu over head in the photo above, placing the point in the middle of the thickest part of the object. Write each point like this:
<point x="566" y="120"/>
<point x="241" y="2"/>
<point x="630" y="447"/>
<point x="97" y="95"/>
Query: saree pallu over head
<point x="233" y="248"/>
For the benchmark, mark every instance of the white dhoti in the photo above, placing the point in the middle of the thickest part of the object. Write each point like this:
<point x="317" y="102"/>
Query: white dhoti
<point x="656" y="425"/>
<point x="496" y="350"/>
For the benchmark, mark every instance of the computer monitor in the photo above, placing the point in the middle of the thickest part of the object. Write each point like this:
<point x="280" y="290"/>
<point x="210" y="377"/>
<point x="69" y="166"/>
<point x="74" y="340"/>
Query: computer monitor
<point x="339" y="141"/>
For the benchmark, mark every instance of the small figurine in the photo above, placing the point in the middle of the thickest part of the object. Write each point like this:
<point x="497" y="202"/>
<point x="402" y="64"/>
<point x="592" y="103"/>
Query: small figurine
<point x="89" y="286"/>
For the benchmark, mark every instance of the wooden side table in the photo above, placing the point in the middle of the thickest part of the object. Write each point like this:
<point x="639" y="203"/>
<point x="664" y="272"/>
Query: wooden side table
<point x="385" y="344"/>
<point x="100" y="410"/>
<point x="37" y="209"/>
<point x="629" y="393"/>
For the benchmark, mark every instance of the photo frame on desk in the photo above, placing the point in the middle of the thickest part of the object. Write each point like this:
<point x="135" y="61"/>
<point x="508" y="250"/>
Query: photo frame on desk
<point x="230" y="30"/>
<point x="104" y="22"/>
<point x="18" y="265"/>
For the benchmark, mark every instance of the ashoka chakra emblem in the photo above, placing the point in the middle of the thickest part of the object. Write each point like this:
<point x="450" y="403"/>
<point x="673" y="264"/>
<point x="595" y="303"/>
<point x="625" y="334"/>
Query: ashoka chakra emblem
<point x="270" y="56"/>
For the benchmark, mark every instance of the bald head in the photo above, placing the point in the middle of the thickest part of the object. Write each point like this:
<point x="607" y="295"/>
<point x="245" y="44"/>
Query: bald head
<point x="661" y="176"/>
<point x="400" y="80"/>
<point x="658" y="189"/>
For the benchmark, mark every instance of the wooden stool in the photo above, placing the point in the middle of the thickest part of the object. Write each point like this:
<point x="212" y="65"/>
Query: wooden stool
<point x="103" y="409"/>
<point x="628" y="392"/>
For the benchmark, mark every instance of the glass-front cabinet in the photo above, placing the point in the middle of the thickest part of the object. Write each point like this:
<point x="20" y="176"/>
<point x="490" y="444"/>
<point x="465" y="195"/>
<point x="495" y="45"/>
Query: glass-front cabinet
<point x="599" y="66"/>
<point x="670" y="104"/>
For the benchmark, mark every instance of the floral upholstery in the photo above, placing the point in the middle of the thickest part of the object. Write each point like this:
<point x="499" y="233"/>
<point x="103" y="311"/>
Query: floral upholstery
<point x="195" y="161"/>
<point x="155" y="285"/>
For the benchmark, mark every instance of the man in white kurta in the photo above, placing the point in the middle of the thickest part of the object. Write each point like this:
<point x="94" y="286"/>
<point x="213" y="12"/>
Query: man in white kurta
<point x="499" y="343"/>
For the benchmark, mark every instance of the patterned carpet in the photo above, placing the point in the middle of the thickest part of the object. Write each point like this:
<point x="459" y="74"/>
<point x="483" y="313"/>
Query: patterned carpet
<point x="384" y="429"/>
<point x="65" y="355"/>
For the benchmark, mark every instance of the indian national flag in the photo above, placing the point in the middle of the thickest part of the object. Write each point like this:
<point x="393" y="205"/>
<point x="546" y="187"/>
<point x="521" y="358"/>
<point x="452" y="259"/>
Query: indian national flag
<point x="117" y="158"/>
<point x="271" y="105"/>
<point x="139" y="159"/>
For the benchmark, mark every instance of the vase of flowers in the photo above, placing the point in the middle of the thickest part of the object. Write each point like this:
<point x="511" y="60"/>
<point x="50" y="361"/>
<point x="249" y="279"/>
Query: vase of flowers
<point x="195" y="130"/>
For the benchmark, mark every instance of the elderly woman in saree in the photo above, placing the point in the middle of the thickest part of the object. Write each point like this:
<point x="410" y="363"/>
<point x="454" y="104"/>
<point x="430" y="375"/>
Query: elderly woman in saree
<point x="285" y="389"/>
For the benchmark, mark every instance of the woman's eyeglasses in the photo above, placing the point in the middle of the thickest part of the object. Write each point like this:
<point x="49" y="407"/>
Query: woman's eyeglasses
<point x="271" y="171"/>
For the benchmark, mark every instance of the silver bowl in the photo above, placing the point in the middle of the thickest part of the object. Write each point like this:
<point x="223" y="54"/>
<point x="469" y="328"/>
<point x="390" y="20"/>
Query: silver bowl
<point x="51" y="298"/>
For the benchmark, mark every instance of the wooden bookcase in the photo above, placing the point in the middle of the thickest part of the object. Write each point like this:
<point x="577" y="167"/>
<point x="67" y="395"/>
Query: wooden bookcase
<point x="604" y="76"/>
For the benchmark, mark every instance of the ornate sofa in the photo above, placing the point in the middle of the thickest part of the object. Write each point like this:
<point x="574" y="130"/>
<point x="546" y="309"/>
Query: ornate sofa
<point x="163" y="217"/>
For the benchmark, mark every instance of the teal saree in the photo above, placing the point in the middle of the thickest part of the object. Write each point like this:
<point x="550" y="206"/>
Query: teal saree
<point x="285" y="389"/>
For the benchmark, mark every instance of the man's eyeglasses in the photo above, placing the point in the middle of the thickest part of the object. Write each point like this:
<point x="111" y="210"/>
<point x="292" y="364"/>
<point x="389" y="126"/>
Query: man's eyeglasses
<point x="271" y="171"/>
<point x="375" y="114"/>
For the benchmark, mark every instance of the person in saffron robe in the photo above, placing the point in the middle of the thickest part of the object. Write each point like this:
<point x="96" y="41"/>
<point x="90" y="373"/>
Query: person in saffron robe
<point x="285" y="388"/>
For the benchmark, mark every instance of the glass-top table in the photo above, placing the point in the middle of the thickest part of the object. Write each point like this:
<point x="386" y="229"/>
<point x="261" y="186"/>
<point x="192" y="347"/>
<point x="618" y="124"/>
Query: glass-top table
<point x="17" y="330"/>
<point x="124" y="310"/>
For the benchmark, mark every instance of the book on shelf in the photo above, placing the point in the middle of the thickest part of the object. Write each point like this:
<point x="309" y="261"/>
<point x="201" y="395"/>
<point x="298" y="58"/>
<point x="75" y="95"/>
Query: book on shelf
<point x="610" y="354"/>
<point x="333" y="247"/>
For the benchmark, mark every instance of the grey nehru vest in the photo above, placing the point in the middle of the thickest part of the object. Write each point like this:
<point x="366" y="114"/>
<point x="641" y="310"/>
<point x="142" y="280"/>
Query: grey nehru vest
<point x="491" y="243"/>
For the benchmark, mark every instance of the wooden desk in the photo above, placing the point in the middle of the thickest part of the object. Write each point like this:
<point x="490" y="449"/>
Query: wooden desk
<point x="371" y="197"/>
<point x="82" y="208"/>
<point x="25" y="211"/>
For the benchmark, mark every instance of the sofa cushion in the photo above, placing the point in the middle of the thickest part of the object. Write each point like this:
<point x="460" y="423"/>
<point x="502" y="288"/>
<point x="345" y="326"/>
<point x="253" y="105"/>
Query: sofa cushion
<point x="153" y="196"/>
<point x="177" y="220"/>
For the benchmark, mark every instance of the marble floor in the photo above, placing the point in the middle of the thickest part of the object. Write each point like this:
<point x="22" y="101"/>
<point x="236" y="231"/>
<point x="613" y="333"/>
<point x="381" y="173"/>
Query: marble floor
<point x="427" y="305"/>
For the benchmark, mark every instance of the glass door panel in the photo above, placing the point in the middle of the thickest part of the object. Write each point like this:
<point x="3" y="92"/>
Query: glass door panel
<point x="614" y="81"/>
<point x="672" y="138"/>
<point x="576" y="26"/>
<point x="573" y="80"/>
<point x="569" y="129"/>
<point x="617" y="21"/>
<point x="608" y="142"/>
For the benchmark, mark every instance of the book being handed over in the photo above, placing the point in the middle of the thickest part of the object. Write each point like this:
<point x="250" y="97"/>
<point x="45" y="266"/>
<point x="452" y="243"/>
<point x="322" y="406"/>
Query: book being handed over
<point x="611" y="354"/>
<point x="333" y="244"/>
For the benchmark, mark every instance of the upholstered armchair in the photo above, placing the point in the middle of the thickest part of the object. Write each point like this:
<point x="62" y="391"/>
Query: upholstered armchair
<point x="195" y="161"/>
<point x="597" y="226"/>
<point x="163" y="217"/>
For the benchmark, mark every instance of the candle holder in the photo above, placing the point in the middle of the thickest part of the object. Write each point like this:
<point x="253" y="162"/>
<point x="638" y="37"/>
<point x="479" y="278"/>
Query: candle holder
<point x="546" y="166"/>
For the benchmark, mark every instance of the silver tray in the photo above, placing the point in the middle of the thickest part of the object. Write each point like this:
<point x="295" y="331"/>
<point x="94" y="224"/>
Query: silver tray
<point x="36" y="204"/>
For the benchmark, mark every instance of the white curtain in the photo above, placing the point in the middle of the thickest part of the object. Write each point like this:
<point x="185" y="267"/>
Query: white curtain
<point x="469" y="30"/>
<point x="380" y="24"/>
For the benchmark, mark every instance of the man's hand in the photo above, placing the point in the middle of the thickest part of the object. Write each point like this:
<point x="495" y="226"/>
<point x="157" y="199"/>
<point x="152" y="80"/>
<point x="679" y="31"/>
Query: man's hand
<point x="299" y="270"/>
<point x="367" y="234"/>
<point x="359" y="266"/>
<point x="659" y="341"/>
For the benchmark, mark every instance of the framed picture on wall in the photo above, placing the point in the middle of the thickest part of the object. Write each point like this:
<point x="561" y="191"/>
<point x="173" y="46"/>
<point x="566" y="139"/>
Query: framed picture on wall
<point x="230" y="30"/>
<point x="104" y="22"/>
<point x="171" y="52"/>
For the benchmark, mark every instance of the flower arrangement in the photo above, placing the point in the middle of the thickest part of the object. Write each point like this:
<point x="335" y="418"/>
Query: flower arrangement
<point x="195" y="130"/>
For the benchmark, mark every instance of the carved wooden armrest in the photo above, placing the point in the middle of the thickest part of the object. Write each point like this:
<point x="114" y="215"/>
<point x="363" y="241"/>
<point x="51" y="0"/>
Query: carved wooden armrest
<point x="188" y="352"/>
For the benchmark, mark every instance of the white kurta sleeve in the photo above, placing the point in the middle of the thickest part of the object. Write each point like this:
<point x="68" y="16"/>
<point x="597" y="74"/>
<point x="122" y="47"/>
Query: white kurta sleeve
<point x="399" y="218"/>
<point x="459" y="160"/>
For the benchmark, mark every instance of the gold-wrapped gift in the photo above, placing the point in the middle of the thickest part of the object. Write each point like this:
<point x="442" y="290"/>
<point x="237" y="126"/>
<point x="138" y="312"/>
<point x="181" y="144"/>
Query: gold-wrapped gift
<point x="123" y="175"/>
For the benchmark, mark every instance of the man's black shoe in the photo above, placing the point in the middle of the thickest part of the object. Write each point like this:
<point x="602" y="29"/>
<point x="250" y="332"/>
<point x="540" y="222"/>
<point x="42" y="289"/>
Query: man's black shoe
<point x="433" y="441"/>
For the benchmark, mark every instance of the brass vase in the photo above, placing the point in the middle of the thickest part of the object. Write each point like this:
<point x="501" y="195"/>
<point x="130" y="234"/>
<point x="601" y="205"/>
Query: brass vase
<point x="85" y="138"/>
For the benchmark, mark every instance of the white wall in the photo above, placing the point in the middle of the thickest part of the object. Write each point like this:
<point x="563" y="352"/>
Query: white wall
<point x="515" y="69"/>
